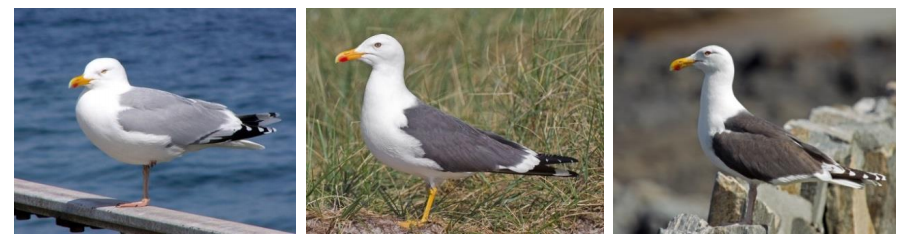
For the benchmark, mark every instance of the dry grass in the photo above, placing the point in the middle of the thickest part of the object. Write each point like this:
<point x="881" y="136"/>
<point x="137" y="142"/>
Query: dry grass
<point x="534" y="76"/>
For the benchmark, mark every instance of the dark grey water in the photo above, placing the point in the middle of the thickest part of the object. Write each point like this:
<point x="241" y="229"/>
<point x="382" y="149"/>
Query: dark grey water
<point x="244" y="59"/>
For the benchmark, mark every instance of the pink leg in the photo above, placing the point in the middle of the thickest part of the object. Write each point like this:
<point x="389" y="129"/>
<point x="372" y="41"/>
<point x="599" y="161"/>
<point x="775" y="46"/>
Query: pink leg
<point x="750" y="204"/>
<point x="146" y="174"/>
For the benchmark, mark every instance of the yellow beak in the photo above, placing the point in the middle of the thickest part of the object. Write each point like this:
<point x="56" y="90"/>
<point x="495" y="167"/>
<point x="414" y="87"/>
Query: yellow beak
<point x="681" y="63"/>
<point x="348" y="56"/>
<point x="78" y="81"/>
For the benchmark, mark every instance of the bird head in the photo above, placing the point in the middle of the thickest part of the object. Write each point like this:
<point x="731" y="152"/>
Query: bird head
<point x="708" y="59"/>
<point x="101" y="72"/>
<point x="377" y="50"/>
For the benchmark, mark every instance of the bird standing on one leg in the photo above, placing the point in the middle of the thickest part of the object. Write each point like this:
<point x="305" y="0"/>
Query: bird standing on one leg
<point x="408" y="135"/>
<point x="143" y="126"/>
<point x="751" y="148"/>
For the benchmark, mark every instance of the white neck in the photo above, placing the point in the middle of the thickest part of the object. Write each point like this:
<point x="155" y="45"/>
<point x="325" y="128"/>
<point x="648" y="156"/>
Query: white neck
<point x="718" y="103"/>
<point x="386" y="90"/>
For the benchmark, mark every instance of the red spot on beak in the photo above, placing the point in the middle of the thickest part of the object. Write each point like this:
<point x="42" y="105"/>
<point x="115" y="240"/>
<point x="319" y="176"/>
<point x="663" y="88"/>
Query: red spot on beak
<point x="344" y="59"/>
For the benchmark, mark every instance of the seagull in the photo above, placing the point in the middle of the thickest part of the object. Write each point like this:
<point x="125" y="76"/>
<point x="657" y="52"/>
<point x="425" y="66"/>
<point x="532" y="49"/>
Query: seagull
<point x="144" y="126"/>
<point x="410" y="136"/>
<point x="745" y="146"/>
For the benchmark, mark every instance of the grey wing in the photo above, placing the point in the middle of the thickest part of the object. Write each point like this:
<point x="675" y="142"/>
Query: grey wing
<point x="458" y="147"/>
<point x="764" y="151"/>
<point x="186" y="121"/>
<point x="815" y="152"/>
<point x="763" y="158"/>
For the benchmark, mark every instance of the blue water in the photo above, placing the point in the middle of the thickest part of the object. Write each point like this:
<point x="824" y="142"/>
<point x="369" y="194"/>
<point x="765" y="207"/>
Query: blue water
<point x="244" y="59"/>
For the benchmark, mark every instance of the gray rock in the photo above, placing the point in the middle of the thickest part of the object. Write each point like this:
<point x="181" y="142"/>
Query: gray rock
<point x="846" y="207"/>
<point x="871" y="121"/>
<point x="627" y="217"/>
<point x="800" y="226"/>
<point x="691" y="224"/>
<point x="775" y="209"/>
<point x="783" y="207"/>
<point x="816" y="193"/>
<point x="875" y="136"/>
<point x="805" y="130"/>
<point x="645" y="207"/>
<point x="840" y="116"/>
<point x="865" y="105"/>
<point x="877" y="107"/>
<point x="882" y="199"/>
<point x="728" y="200"/>
<point x="848" y="212"/>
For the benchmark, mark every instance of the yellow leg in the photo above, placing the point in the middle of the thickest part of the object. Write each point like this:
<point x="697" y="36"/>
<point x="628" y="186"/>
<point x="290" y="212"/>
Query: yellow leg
<point x="408" y="224"/>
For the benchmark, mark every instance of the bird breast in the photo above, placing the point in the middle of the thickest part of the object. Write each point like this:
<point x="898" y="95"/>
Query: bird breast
<point x="96" y="113"/>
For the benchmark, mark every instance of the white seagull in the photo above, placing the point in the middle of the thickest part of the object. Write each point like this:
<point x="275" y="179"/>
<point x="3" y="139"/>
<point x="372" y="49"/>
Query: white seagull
<point x="406" y="134"/>
<point x="751" y="148"/>
<point x="143" y="126"/>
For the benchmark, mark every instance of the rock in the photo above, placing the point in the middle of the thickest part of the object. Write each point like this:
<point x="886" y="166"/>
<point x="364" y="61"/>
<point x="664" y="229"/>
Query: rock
<point x="869" y="147"/>
<point x="882" y="199"/>
<point x="847" y="116"/>
<point x="645" y="207"/>
<point x="800" y="226"/>
<point x="877" y="107"/>
<point x="816" y="193"/>
<point x="626" y="219"/>
<point x="691" y="224"/>
<point x="875" y="136"/>
<point x="892" y="92"/>
<point x="805" y="129"/>
<point x="727" y="200"/>
<point x="847" y="212"/>
<point x="866" y="105"/>
<point x="775" y="209"/>
<point x="767" y="217"/>
<point x="784" y="208"/>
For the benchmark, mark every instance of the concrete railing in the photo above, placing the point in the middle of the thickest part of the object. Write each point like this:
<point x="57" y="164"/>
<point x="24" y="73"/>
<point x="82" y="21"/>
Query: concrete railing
<point x="78" y="210"/>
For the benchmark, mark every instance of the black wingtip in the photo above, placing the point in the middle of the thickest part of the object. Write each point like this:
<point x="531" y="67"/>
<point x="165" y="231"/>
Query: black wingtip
<point x="244" y="133"/>
<point x="549" y="159"/>
<point x="542" y="170"/>
<point x="259" y="119"/>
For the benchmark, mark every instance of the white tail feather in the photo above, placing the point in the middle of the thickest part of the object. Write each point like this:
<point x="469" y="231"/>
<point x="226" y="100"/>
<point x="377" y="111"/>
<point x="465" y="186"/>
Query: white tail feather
<point x="847" y="183"/>
<point x="241" y="144"/>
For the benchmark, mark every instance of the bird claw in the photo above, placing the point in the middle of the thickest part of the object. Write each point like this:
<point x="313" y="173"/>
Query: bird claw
<point x="142" y="203"/>
<point x="412" y="224"/>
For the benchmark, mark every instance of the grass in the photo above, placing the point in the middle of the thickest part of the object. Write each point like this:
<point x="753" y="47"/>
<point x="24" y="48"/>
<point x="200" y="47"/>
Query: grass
<point x="533" y="76"/>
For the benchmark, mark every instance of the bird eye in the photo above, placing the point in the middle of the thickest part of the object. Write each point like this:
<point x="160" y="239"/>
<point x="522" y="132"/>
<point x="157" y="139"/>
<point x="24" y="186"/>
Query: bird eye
<point x="104" y="71"/>
<point x="377" y="45"/>
<point x="707" y="53"/>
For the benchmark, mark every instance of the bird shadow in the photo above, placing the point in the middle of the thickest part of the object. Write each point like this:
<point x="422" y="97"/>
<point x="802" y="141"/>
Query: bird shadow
<point x="94" y="203"/>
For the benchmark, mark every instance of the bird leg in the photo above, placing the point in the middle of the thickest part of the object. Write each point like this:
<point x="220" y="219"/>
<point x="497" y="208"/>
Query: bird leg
<point x="408" y="224"/>
<point x="750" y="204"/>
<point x="146" y="174"/>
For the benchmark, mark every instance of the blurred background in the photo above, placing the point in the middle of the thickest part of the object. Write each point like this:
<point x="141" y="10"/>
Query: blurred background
<point x="534" y="76"/>
<point x="787" y="62"/>
<point x="244" y="59"/>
